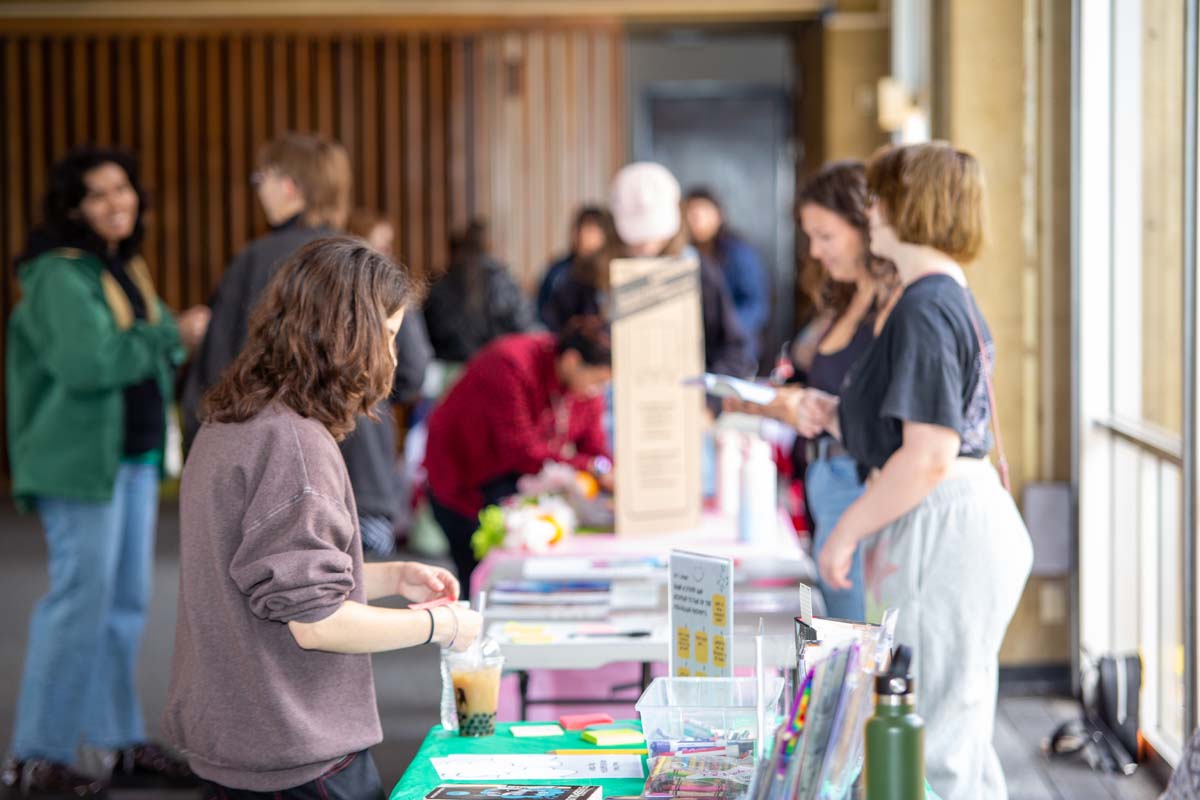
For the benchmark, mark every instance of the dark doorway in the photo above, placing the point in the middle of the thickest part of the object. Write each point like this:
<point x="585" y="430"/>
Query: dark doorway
<point x="735" y="139"/>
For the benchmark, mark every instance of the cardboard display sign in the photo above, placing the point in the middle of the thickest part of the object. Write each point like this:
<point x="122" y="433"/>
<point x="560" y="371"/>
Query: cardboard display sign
<point x="658" y="343"/>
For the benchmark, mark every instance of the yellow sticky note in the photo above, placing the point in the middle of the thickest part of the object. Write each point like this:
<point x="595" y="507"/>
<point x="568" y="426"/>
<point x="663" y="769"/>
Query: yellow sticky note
<point x="613" y="736"/>
<point x="683" y="642"/>
<point x="719" y="651"/>
<point x="700" y="675"/>
<point x="719" y="610"/>
<point x="682" y="672"/>
<point x="701" y="647"/>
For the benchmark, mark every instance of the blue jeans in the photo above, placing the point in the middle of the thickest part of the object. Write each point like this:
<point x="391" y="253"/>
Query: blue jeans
<point x="830" y="486"/>
<point x="78" y="684"/>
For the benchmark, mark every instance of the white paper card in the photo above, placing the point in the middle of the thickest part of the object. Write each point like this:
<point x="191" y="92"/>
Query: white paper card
<point x="701" y="615"/>
<point x="499" y="767"/>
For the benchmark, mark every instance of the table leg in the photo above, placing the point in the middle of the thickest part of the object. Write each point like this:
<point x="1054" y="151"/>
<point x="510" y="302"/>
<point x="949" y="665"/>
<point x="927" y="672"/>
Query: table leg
<point x="645" y="675"/>
<point x="523" y="692"/>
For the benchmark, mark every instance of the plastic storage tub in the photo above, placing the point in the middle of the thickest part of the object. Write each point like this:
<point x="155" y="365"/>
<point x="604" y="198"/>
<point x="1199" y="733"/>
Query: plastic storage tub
<point x="680" y="714"/>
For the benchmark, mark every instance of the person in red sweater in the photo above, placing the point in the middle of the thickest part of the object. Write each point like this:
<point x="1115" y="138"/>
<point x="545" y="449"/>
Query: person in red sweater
<point x="523" y="400"/>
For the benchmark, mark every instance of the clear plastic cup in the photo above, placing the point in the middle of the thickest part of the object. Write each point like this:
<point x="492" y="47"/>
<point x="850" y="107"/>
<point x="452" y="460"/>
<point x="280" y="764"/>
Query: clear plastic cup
<point x="476" y="693"/>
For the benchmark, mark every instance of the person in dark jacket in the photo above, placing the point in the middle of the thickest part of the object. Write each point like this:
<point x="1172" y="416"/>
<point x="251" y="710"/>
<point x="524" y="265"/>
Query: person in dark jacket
<point x="476" y="300"/>
<point x="648" y="223"/>
<point x="743" y="270"/>
<point x="303" y="183"/>
<point x="91" y="360"/>
<point x="589" y="235"/>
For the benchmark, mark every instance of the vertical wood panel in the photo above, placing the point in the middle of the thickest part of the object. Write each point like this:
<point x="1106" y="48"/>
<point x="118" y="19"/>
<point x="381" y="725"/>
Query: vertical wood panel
<point x="346" y="129"/>
<point x="258" y="116"/>
<point x="557" y="204"/>
<point x="390" y="105"/>
<point x="535" y="162"/>
<point x="102" y="66"/>
<point x="324" y="92"/>
<point x="149" y="138"/>
<point x="414" y="179"/>
<point x="301" y="75"/>
<point x="190" y="282"/>
<point x="16" y="125"/>
<point x="436" y="156"/>
<point x="369" y="153"/>
<point x="81" y="106"/>
<point x="169" y="266"/>
<point x="216" y="222"/>
<point x="459" y="152"/>
<point x="124" y="92"/>
<point x="59" y="121"/>
<point x="239" y="170"/>
<point x="280" y="95"/>
<point x="35" y="104"/>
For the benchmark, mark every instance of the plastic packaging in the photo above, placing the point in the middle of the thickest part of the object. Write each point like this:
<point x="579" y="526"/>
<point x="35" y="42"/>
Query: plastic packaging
<point x="730" y="454"/>
<point x="758" y="510"/>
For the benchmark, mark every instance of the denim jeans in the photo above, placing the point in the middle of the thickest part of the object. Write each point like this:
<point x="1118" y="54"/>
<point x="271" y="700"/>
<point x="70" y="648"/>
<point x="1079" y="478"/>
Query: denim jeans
<point x="353" y="778"/>
<point x="830" y="486"/>
<point x="78" y="683"/>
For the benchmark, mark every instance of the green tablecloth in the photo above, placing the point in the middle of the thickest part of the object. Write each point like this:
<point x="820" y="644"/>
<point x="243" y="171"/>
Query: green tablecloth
<point x="421" y="777"/>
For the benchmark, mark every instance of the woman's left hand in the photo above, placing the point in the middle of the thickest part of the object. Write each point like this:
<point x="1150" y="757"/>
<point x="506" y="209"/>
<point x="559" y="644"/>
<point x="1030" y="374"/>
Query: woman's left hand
<point x="835" y="559"/>
<point x="420" y="583"/>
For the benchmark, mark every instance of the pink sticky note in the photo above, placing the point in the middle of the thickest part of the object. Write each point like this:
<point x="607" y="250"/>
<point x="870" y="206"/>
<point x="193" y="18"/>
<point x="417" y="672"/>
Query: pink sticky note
<point x="441" y="601"/>
<point x="577" y="722"/>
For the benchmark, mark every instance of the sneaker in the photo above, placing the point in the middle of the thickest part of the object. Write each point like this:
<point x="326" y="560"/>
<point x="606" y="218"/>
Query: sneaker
<point x="150" y="765"/>
<point x="39" y="778"/>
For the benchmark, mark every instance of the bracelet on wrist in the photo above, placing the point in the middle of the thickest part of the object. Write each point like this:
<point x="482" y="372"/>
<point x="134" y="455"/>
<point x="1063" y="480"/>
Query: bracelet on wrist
<point x="431" y="626"/>
<point x="454" y="635"/>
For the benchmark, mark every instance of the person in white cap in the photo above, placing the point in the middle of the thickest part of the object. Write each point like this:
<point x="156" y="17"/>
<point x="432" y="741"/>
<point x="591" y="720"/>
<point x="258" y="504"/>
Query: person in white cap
<point x="646" y="212"/>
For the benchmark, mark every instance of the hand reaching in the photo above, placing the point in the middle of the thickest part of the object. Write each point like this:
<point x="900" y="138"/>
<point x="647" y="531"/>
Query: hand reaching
<point x="420" y="583"/>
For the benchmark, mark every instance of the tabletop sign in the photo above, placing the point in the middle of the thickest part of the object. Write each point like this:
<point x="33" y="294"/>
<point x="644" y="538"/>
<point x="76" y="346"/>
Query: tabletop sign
<point x="658" y="343"/>
<point x="701" y="615"/>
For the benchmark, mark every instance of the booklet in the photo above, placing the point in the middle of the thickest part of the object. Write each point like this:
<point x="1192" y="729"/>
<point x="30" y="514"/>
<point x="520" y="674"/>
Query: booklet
<point x="729" y="386"/>
<point x="706" y="777"/>
<point x="514" y="791"/>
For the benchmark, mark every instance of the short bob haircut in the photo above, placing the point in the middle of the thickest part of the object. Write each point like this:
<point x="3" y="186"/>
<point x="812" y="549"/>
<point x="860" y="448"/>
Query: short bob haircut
<point x="317" y="342"/>
<point x="320" y="167"/>
<point x="932" y="194"/>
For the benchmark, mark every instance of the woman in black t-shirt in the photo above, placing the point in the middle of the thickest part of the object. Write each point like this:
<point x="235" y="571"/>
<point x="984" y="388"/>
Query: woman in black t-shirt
<point x="946" y="545"/>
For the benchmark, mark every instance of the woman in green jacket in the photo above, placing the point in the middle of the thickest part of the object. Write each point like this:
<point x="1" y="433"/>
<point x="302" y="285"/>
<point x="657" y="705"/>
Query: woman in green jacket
<point x="91" y="359"/>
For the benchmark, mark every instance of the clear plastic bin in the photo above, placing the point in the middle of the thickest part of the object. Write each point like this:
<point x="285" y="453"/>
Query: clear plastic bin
<point x="679" y="713"/>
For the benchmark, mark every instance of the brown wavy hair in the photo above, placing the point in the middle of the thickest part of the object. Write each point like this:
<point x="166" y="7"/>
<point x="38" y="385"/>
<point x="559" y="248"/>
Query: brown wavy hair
<point x="317" y="341"/>
<point x="840" y="187"/>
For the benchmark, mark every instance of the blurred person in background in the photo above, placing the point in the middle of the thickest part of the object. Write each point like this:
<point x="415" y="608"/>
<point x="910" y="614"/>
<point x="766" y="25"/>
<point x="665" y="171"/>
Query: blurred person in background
<point x="645" y="207"/>
<point x="523" y="400"/>
<point x="590" y="233"/>
<point x="91" y="359"/>
<point x="743" y="270"/>
<point x="375" y="228"/>
<point x="475" y="301"/>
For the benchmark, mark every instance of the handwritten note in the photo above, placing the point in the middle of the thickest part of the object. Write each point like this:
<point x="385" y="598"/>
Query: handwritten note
<point x="701" y="614"/>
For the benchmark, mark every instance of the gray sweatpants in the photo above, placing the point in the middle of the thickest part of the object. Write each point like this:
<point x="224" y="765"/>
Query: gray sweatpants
<point x="955" y="566"/>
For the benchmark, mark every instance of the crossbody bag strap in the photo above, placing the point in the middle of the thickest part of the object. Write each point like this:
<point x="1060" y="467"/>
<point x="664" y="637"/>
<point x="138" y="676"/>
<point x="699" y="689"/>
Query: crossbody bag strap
<point x="987" y="378"/>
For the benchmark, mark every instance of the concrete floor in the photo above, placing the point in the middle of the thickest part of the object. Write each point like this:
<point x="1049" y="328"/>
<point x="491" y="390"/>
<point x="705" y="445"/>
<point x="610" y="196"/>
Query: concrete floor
<point x="408" y="684"/>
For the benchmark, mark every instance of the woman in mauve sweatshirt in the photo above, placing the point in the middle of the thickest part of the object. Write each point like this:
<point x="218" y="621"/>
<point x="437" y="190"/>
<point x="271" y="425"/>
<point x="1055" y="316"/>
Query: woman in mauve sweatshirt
<point x="271" y="687"/>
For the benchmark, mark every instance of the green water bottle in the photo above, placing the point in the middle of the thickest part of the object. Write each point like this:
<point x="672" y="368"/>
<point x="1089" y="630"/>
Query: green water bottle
<point x="895" y="751"/>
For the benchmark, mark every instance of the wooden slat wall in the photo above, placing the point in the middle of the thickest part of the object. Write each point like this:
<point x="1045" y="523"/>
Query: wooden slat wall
<point x="550" y="128"/>
<point x="516" y="125"/>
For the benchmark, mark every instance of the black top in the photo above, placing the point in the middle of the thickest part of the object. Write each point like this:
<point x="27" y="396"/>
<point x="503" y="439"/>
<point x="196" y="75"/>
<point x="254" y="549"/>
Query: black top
<point x="829" y="370"/>
<point x="924" y="367"/>
<point x="144" y="411"/>
<point x="462" y="316"/>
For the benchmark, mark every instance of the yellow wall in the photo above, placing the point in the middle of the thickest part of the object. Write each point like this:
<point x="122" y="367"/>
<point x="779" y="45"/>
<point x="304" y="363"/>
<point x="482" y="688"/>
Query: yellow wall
<point x="856" y="54"/>
<point x="1004" y="73"/>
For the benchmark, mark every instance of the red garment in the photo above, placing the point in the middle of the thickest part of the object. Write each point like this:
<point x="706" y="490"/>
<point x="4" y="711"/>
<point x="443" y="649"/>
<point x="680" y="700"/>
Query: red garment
<point x="500" y="419"/>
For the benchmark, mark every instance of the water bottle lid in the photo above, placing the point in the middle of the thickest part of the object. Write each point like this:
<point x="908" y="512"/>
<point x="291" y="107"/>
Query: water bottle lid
<point x="897" y="681"/>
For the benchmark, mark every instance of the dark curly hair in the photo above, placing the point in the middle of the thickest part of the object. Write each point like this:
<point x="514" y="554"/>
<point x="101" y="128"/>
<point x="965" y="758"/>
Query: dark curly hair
<point x="317" y="341"/>
<point x="61" y="224"/>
